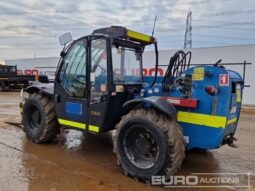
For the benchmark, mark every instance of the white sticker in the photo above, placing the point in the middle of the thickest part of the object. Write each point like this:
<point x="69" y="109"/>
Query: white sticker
<point x="103" y="88"/>
<point x="119" y="88"/>
<point x="186" y="139"/>
<point x="149" y="91"/>
<point x="174" y="101"/>
<point x="156" y="90"/>
<point x="233" y="109"/>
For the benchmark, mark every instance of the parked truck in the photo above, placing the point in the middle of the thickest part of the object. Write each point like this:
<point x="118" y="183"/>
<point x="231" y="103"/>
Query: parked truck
<point x="9" y="79"/>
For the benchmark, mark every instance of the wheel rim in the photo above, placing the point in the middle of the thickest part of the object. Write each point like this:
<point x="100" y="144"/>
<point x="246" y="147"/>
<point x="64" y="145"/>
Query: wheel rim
<point x="140" y="147"/>
<point x="34" y="118"/>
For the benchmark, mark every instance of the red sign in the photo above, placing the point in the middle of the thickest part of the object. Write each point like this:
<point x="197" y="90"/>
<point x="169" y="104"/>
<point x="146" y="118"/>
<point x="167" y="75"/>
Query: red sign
<point x="224" y="79"/>
<point x="31" y="72"/>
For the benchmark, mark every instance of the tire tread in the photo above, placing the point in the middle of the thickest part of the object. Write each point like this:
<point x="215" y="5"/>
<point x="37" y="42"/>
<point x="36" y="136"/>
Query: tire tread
<point x="172" y="130"/>
<point x="51" y="127"/>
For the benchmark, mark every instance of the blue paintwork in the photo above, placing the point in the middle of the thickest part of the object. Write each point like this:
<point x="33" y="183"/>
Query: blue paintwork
<point x="203" y="136"/>
<point x="74" y="108"/>
<point x="199" y="136"/>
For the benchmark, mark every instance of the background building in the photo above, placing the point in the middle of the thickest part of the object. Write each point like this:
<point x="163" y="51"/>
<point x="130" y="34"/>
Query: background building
<point x="228" y="54"/>
<point x="2" y="62"/>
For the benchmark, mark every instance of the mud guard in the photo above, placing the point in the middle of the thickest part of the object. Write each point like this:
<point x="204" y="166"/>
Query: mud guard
<point x="45" y="89"/>
<point x="151" y="102"/>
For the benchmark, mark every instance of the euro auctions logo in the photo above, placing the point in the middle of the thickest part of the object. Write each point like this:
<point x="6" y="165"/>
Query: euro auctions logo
<point x="175" y="180"/>
<point x="224" y="180"/>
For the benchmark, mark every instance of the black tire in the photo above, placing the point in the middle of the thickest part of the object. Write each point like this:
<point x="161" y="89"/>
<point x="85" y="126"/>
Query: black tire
<point x="157" y="132"/>
<point x="39" y="118"/>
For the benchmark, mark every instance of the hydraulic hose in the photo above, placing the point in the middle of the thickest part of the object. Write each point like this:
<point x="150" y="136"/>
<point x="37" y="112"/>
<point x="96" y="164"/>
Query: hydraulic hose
<point x="178" y="63"/>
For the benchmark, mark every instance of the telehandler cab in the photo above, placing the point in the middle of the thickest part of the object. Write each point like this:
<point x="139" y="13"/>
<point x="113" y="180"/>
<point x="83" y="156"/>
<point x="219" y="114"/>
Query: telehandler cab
<point x="99" y="87"/>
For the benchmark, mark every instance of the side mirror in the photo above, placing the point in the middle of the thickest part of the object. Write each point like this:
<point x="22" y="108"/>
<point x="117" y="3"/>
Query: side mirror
<point x="65" y="38"/>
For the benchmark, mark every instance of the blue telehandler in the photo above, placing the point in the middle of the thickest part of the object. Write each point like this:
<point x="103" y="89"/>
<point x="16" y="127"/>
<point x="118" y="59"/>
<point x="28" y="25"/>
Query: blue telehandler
<point x="99" y="86"/>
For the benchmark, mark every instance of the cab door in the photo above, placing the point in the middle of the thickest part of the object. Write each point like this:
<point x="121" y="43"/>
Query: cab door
<point x="71" y="97"/>
<point x="100" y="81"/>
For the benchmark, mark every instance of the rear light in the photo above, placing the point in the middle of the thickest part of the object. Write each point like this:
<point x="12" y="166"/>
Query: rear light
<point x="211" y="90"/>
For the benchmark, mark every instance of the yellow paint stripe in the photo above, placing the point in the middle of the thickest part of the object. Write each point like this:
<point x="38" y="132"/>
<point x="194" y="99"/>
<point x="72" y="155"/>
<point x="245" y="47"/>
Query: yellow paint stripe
<point x="72" y="123"/>
<point x="202" y="119"/>
<point x="94" y="128"/>
<point x="231" y="121"/>
<point x="4" y="78"/>
<point x="139" y="36"/>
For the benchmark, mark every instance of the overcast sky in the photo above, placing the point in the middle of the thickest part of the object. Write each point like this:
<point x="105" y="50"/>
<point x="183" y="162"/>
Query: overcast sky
<point x="30" y="28"/>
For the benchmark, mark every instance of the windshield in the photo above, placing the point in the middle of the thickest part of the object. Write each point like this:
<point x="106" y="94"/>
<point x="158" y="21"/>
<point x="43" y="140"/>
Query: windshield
<point x="126" y="65"/>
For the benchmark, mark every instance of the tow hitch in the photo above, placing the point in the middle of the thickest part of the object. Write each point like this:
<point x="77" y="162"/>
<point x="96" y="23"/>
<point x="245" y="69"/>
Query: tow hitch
<point x="230" y="141"/>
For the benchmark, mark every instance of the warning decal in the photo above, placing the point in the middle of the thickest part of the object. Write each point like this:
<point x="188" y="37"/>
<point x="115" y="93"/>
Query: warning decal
<point x="198" y="74"/>
<point x="224" y="79"/>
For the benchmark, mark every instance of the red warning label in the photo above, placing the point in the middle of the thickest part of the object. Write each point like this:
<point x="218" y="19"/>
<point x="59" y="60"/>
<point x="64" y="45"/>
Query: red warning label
<point x="224" y="79"/>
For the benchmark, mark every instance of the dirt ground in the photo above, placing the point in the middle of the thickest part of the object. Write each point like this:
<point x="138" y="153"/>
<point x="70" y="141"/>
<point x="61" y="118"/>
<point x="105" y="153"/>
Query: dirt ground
<point x="74" y="162"/>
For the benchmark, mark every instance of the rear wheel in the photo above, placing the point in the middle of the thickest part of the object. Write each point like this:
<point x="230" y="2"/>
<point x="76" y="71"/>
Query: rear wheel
<point x="148" y="143"/>
<point x="39" y="118"/>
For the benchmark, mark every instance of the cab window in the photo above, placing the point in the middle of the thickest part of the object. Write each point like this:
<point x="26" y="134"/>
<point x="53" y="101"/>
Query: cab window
<point x="98" y="73"/>
<point x="73" y="72"/>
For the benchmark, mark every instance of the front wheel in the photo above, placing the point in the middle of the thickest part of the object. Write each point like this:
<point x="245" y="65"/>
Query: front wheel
<point x="39" y="118"/>
<point x="148" y="143"/>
